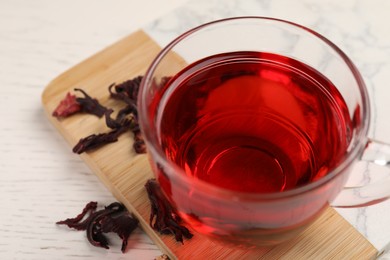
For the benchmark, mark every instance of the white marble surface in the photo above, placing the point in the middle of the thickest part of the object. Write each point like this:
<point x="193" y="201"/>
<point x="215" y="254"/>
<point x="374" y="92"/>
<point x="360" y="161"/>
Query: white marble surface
<point x="41" y="181"/>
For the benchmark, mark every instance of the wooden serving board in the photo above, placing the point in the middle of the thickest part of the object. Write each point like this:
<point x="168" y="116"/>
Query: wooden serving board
<point x="125" y="173"/>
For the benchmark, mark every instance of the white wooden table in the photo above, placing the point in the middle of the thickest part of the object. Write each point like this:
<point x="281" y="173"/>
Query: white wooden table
<point x="42" y="181"/>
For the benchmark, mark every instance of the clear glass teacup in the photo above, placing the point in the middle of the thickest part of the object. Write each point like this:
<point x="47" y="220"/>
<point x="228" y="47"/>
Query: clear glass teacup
<point x="253" y="126"/>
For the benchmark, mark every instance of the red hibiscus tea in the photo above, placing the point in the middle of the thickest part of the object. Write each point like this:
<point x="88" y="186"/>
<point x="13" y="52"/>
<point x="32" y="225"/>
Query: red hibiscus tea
<point x="253" y="122"/>
<point x="256" y="137"/>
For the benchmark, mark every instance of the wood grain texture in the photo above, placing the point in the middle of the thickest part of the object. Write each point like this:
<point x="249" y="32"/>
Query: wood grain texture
<point x="124" y="173"/>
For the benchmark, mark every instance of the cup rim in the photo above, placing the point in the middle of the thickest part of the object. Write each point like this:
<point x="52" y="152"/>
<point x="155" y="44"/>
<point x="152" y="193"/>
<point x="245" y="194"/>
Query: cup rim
<point x="361" y="138"/>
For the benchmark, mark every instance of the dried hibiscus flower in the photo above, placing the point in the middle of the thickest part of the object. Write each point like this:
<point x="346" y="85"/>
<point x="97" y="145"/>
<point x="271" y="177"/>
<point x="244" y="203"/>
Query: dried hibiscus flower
<point x="90" y="105"/>
<point x="72" y="104"/>
<point x="126" y="91"/>
<point x="126" y="118"/>
<point x="113" y="218"/>
<point x="139" y="143"/>
<point x="119" y="126"/>
<point x="68" y="106"/>
<point x="94" y="141"/>
<point x="163" y="217"/>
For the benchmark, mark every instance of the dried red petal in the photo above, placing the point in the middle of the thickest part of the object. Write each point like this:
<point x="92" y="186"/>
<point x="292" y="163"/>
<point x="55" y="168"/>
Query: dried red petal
<point x="95" y="141"/>
<point x="139" y="143"/>
<point x="127" y="91"/>
<point x="113" y="218"/>
<point x="163" y="217"/>
<point x="126" y="118"/>
<point x="94" y="230"/>
<point x="120" y="121"/>
<point x="76" y="222"/>
<point x="122" y="225"/>
<point x="68" y="106"/>
<point x="90" y="105"/>
<point x="139" y="146"/>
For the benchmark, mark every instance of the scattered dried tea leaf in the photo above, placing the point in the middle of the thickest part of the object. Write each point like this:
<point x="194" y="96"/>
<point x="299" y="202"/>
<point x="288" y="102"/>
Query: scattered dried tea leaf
<point x="126" y="118"/>
<point x="163" y="217"/>
<point x="68" y="106"/>
<point x="95" y="141"/>
<point x="126" y="91"/>
<point x="139" y="143"/>
<point x="120" y="121"/>
<point x="72" y="104"/>
<point x="76" y="222"/>
<point x="113" y="218"/>
<point x="119" y="126"/>
<point x="122" y="225"/>
<point x="90" y="105"/>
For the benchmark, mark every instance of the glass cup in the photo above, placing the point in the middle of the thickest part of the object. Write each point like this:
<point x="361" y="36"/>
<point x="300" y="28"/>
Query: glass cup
<point x="250" y="218"/>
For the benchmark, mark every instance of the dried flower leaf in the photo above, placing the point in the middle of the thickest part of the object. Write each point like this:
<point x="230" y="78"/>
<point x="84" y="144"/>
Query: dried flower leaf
<point x="94" y="230"/>
<point x="128" y="110"/>
<point x="126" y="118"/>
<point x="163" y="217"/>
<point x="139" y="146"/>
<point x="122" y="225"/>
<point x="120" y="121"/>
<point x="139" y="143"/>
<point x="76" y="222"/>
<point x="90" y="105"/>
<point x="113" y="218"/>
<point x="95" y="141"/>
<point x="126" y="91"/>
